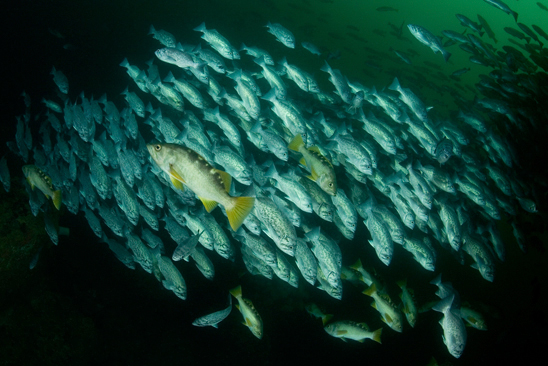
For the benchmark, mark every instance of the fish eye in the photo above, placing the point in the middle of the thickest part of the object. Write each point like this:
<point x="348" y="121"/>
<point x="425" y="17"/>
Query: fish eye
<point x="330" y="184"/>
<point x="157" y="147"/>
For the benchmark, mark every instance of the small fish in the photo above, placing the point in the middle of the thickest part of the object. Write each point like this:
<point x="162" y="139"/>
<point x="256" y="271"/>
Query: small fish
<point x="317" y="313"/>
<point x="176" y="57"/>
<point x="39" y="179"/>
<point x="282" y="34"/>
<point x="454" y="331"/>
<point x="460" y="72"/>
<point x="347" y="329"/>
<point x="60" y="80"/>
<point x="428" y="39"/>
<point x="165" y="38"/>
<point x="487" y="28"/>
<point x="186" y="248"/>
<point x="473" y="318"/>
<point x="444" y="150"/>
<point x="384" y="305"/>
<point x="313" y="49"/>
<point x="321" y="170"/>
<point x="218" y="42"/>
<point x="252" y="318"/>
<point x="467" y="22"/>
<point x="408" y="303"/>
<point x="215" y="318"/>
<point x="540" y="31"/>
<point x="502" y="6"/>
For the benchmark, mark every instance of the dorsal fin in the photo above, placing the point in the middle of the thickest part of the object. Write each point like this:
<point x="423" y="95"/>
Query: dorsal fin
<point x="227" y="179"/>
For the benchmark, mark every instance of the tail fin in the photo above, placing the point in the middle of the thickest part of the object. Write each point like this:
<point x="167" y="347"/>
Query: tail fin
<point x="395" y="85"/>
<point x="326" y="318"/>
<point x="57" y="199"/>
<point x="236" y="292"/>
<point x="377" y="335"/>
<point x="237" y="214"/>
<point x="296" y="142"/>
<point x="357" y="265"/>
<point x="201" y="28"/>
<point x="515" y="15"/>
<point x="446" y="55"/>
<point x="370" y="291"/>
<point x="444" y="304"/>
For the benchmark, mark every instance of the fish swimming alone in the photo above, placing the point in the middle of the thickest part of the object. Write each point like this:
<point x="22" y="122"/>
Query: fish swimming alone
<point x="211" y="185"/>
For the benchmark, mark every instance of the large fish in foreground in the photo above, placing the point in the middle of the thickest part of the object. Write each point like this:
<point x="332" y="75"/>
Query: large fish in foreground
<point x="211" y="185"/>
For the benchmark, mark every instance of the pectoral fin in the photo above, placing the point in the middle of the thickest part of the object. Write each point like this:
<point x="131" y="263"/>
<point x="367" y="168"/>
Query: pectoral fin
<point x="176" y="178"/>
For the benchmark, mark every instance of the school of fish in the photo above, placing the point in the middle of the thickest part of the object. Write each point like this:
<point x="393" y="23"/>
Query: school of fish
<point x="295" y="169"/>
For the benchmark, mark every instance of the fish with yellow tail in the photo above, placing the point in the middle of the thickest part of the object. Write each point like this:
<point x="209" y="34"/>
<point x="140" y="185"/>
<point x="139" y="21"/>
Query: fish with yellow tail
<point x="321" y="170"/>
<point x="384" y="305"/>
<point x="252" y="319"/>
<point x="185" y="166"/>
<point x="40" y="180"/>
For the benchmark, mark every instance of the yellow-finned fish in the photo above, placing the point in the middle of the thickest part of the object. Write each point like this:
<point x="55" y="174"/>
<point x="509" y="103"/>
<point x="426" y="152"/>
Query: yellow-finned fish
<point x="384" y="305"/>
<point x="321" y="169"/>
<point x="184" y="165"/>
<point x="252" y="319"/>
<point x="408" y="302"/>
<point x="39" y="179"/>
<point x="347" y="329"/>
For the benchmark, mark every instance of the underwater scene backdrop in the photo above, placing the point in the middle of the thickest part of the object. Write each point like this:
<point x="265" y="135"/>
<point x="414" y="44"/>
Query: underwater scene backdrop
<point x="394" y="153"/>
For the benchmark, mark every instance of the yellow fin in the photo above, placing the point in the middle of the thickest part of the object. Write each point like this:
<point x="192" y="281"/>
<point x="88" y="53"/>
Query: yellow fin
<point x="371" y="290"/>
<point x="30" y="183"/>
<point x="227" y="179"/>
<point x="296" y="142"/>
<point x="326" y="318"/>
<point x="377" y="335"/>
<point x="388" y="318"/>
<point x="176" y="178"/>
<point x="341" y="332"/>
<point x="302" y="161"/>
<point x="57" y="199"/>
<point x="237" y="291"/>
<point x="357" y="265"/>
<point x="315" y="149"/>
<point x="175" y="174"/>
<point x="176" y="183"/>
<point x="208" y="204"/>
<point x="314" y="175"/>
<point x="237" y="214"/>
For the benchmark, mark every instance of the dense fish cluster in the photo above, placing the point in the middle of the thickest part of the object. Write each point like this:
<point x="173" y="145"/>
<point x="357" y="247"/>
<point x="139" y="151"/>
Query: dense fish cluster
<point x="294" y="168"/>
